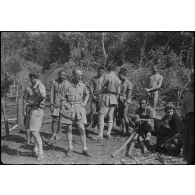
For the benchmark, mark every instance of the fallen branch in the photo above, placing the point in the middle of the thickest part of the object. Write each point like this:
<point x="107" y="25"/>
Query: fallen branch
<point x="124" y="145"/>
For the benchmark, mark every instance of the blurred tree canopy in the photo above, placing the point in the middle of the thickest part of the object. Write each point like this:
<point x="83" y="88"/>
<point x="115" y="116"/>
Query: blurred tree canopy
<point x="89" y="49"/>
<point x="45" y="52"/>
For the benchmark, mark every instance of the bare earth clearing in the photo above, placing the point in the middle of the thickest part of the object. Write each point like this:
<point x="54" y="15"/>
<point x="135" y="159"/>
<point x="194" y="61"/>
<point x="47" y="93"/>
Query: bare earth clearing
<point x="15" y="150"/>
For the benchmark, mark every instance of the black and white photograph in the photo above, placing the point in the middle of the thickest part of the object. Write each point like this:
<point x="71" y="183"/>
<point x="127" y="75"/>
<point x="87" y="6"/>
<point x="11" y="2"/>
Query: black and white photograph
<point x="97" y="97"/>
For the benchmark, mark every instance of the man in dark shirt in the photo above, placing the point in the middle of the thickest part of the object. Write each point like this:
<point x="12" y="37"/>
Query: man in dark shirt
<point x="124" y="100"/>
<point x="169" y="125"/>
<point x="95" y="87"/>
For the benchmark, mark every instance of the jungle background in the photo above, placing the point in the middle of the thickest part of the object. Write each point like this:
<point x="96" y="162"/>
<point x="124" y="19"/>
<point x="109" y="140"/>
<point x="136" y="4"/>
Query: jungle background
<point x="49" y="52"/>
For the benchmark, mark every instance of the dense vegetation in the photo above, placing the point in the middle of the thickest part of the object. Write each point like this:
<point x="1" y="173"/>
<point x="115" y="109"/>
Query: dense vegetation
<point x="48" y="52"/>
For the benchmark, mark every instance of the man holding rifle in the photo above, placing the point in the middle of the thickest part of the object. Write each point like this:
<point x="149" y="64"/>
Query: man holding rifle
<point x="144" y="123"/>
<point x="26" y="111"/>
<point x="35" y="111"/>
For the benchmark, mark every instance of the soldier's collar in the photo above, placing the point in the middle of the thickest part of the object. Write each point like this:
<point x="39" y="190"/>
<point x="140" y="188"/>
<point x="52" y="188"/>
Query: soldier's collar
<point x="77" y="84"/>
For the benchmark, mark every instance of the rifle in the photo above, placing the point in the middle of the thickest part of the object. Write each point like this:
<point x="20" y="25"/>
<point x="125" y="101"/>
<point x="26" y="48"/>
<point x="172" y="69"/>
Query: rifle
<point x="141" y="119"/>
<point x="125" y="144"/>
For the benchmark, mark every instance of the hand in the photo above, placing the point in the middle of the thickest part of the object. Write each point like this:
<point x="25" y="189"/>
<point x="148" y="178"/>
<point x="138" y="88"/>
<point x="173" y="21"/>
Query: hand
<point x="52" y="108"/>
<point x="137" y="118"/>
<point x="122" y="99"/>
<point x="147" y="90"/>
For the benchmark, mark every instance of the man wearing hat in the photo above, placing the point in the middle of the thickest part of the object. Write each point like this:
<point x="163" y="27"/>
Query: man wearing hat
<point x="55" y="94"/>
<point x="153" y="86"/>
<point x="124" y="99"/>
<point x="74" y="99"/>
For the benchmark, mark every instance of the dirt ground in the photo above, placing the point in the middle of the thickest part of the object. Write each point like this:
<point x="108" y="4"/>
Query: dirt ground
<point x="15" y="150"/>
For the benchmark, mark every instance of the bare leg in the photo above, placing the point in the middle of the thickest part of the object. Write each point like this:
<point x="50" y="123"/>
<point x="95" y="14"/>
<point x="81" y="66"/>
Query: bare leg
<point x="38" y="142"/>
<point x="126" y="119"/>
<point x="110" y="120"/>
<point x="69" y="137"/>
<point x="28" y="135"/>
<point x="155" y="100"/>
<point x="82" y="135"/>
<point x="54" y="127"/>
<point x="144" y="149"/>
<point x="36" y="149"/>
<point x="101" y="125"/>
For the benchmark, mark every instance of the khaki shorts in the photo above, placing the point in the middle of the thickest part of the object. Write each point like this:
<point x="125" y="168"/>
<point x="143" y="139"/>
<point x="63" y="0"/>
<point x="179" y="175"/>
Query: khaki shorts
<point x="75" y="119"/>
<point x="56" y="112"/>
<point x="36" y="117"/>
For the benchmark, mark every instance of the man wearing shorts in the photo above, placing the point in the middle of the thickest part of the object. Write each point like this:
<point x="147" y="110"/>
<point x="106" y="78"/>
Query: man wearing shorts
<point x="36" y="105"/>
<point x="108" y="101"/>
<point x="73" y="111"/>
<point x="55" y="94"/>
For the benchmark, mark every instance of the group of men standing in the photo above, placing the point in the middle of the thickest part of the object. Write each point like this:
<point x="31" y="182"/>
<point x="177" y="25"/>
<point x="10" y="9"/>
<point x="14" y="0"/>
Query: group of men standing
<point x="68" y="99"/>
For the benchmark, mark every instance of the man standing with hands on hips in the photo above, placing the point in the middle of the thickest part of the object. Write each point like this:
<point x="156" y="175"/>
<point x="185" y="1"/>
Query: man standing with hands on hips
<point x="74" y="99"/>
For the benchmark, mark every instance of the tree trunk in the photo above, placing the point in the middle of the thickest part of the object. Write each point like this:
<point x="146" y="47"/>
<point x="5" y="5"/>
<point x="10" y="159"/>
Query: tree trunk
<point x="142" y="52"/>
<point x="20" y="107"/>
<point x="104" y="51"/>
<point x="4" y="116"/>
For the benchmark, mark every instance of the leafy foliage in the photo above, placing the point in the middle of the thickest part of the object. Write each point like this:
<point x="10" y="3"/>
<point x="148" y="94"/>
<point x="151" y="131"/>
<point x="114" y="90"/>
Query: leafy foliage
<point x="48" y="52"/>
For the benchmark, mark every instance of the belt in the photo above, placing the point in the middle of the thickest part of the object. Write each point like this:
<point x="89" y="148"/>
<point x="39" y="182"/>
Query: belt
<point x="114" y="93"/>
<point x="75" y="102"/>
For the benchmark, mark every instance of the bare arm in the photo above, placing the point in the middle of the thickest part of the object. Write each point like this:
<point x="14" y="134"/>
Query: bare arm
<point x="52" y="94"/>
<point x="86" y="96"/>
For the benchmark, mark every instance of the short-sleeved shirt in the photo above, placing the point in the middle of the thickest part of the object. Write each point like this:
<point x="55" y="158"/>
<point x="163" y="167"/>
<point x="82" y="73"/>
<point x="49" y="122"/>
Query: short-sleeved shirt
<point x="110" y="90"/>
<point x="38" y="90"/>
<point x="146" y="113"/>
<point x="188" y="103"/>
<point x="111" y="83"/>
<point x="96" y="84"/>
<point x="125" y="87"/>
<point x="56" y="91"/>
<point x="75" y="93"/>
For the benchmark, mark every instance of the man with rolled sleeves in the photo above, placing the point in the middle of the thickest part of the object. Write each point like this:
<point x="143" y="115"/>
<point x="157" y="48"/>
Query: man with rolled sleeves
<point x="75" y="96"/>
<point x="124" y="99"/>
<point x="55" y="94"/>
<point x="36" y="112"/>
<point x="154" y="84"/>
<point x="108" y="100"/>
